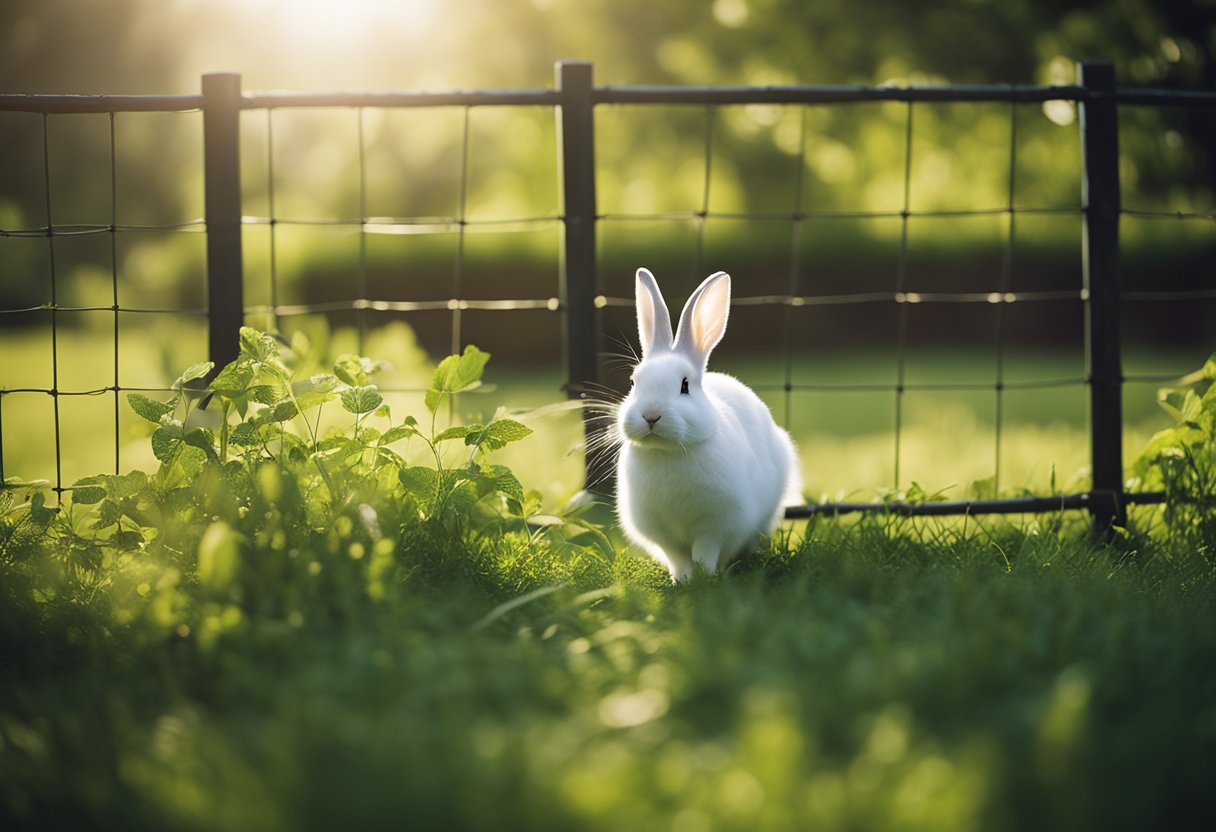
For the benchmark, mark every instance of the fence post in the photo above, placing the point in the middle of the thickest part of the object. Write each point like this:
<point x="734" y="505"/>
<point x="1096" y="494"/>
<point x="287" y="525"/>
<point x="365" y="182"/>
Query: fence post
<point x="580" y="319"/>
<point x="1100" y="264"/>
<point x="222" y="195"/>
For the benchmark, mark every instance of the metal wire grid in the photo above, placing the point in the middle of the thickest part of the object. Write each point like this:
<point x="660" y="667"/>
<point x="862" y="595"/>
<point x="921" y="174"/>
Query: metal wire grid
<point x="713" y="98"/>
<point x="361" y="305"/>
<point x="900" y="294"/>
<point x="52" y="231"/>
<point x="461" y="224"/>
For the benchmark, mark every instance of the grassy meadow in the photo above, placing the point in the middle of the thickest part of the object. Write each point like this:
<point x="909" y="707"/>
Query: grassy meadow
<point x="311" y="636"/>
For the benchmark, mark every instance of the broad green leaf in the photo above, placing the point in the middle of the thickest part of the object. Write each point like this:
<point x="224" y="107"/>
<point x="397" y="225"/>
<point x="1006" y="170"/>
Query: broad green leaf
<point x="397" y="434"/>
<point x="234" y="379"/>
<point x="180" y="500"/>
<point x="108" y="514"/>
<point x="88" y="491"/>
<point x="498" y="434"/>
<point x="419" y="480"/>
<point x="257" y="345"/>
<point x="385" y="455"/>
<point x="192" y="372"/>
<point x="456" y="374"/>
<point x="264" y="393"/>
<point x="315" y="391"/>
<point x="167" y="442"/>
<point x="459" y="499"/>
<point x="129" y="484"/>
<point x="504" y="481"/>
<point x="150" y="409"/>
<point x="282" y="412"/>
<point x="1191" y="406"/>
<point x="361" y="400"/>
<point x="203" y="439"/>
<point x="354" y="369"/>
<point x="456" y="432"/>
<point x="244" y="435"/>
<point x="337" y="440"/>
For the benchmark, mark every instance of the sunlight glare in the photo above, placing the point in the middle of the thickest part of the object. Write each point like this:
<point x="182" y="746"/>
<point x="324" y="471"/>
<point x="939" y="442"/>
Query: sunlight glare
<point x="345" y="22"/>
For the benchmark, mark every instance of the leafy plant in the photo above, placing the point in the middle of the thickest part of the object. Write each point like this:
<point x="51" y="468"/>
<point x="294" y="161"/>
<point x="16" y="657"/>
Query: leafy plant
<point x="1181" y="460"/>
<point x="278" y="418"/>
<point x="258" y="512"/>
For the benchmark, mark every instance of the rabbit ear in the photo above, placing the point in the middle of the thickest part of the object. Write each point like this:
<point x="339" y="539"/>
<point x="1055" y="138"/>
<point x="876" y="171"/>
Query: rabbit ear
<point x="703" y="321"/>
<point x="654" y="321"/>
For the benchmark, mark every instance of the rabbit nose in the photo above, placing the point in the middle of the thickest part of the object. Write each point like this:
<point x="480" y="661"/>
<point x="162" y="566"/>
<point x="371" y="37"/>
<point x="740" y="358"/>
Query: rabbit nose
<point x="650" y="420"/>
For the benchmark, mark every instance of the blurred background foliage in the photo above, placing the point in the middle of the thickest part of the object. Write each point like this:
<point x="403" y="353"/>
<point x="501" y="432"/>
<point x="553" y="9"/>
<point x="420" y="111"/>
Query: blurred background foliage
<point x="318" y="172"/>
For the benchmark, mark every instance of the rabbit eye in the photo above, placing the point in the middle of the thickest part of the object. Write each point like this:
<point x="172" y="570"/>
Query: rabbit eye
<point x="684" y="387"/>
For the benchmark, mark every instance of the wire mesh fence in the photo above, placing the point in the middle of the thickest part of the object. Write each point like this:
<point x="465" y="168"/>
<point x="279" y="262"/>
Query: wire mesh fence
<point x="243" y="209"/>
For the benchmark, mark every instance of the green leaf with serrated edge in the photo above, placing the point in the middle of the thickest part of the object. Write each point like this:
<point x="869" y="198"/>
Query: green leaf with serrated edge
<point x="108" y="513"/>
<point x="282" y="412"/>
<point x="192" y="372"/>
<point x="419" y="480"/>
<point x="234" y="379"/>
<point x="386" y="455"/>
<point x="204" y="440"/>
<point x="316" y="390"/>
<point x="166" y="442"/>
<point x="508" y="430"/>
<point x="257" y="345"/>
<point x="359" y="400"/>
<point x="149" y="408"/>
<point x="456" y="374"/>
<point x="456" y="432"/>
<point x="264" y="393"/>
<point x="1191" y="406"/>
<point x="129" y="484"/>
<point x="180" y="500"/>
<point x="89" y="490"/>
<point x="336" y="440"/>
<point x="383" y="412"/>
<point x="505" y="481"/>
<point x="353" y="369"/>
<point x="497" y="434"/>
<point x="244" y="435"/>
<point x="397" y="434"/>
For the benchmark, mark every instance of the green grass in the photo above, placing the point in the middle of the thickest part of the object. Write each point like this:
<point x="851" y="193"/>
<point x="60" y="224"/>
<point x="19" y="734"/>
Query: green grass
<point x="313" y="633"/>
<point x="887" y="674"/>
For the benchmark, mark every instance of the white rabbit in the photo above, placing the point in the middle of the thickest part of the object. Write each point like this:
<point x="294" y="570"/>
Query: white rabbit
<point x="703" y="472"/>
